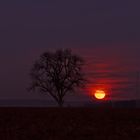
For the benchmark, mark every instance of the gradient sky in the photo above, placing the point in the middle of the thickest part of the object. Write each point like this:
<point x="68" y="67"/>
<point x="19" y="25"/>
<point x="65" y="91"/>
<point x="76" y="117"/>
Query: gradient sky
<point x="105" y="32"/>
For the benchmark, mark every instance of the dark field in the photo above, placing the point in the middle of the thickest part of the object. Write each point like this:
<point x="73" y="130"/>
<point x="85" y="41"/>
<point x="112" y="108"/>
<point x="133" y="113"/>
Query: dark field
<point x="69" y="124"/>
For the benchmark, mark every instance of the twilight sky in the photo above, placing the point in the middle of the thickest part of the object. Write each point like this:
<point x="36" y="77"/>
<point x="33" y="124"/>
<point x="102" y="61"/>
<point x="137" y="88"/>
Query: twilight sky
<point x="105" y="32"/>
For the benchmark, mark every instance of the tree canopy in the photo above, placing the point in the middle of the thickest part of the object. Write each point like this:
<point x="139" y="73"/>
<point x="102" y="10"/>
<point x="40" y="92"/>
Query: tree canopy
<point x="57" y="74"/>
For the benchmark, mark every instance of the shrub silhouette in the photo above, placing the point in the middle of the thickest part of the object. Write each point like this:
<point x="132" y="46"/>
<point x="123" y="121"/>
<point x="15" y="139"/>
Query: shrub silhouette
<point x="57" y="74"/>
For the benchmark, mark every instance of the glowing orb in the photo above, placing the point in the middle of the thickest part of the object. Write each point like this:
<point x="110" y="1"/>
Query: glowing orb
<point x="99" y="94"/>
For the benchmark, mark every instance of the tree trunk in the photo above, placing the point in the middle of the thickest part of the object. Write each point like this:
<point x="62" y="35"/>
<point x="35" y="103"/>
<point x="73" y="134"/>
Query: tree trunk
<point x="60" y="103"/>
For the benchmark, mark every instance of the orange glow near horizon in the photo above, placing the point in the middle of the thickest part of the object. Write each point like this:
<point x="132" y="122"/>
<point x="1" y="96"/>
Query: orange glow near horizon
<point x="99" y="94"/>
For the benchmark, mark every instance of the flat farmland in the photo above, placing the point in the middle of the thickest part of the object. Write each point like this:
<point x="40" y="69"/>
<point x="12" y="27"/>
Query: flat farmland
<point x="69" y="124"/>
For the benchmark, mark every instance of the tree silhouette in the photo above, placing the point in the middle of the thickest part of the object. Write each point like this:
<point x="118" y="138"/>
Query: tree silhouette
<point x="57" y="74"/>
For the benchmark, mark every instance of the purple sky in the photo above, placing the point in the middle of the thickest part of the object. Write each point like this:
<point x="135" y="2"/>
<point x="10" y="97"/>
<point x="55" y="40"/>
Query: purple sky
<point x="105" y="33"/>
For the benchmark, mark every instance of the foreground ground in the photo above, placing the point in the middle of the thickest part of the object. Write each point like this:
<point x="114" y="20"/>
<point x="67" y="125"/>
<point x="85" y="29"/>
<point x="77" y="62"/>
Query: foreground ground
<point x="69" y="124"/>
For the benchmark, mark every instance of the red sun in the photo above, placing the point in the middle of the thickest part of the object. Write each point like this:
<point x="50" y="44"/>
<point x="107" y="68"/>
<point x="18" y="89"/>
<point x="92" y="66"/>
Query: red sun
<point x="99" y="94"/>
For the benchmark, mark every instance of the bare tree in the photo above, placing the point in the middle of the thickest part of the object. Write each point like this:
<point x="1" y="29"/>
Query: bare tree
<point x="57" y="74"/>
